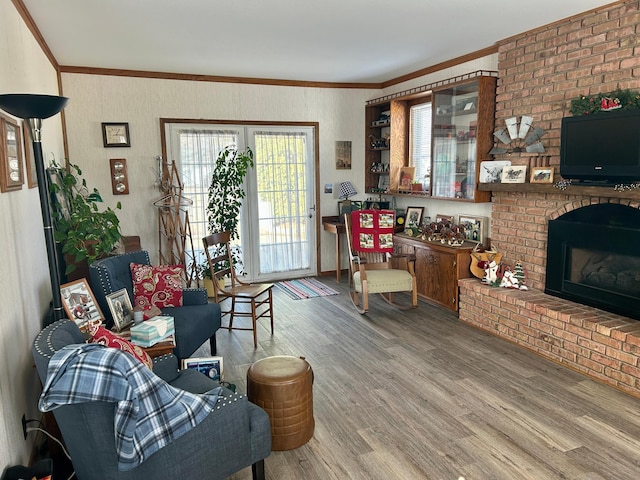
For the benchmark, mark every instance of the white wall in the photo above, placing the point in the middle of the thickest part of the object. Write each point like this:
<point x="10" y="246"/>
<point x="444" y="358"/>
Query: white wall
<point x="142" y="102"/>
<point x="25" y="290"/>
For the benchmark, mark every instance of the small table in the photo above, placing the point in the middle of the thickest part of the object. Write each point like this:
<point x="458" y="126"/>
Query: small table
<point x="337" y="227"/>
<point x="160" y="348"/>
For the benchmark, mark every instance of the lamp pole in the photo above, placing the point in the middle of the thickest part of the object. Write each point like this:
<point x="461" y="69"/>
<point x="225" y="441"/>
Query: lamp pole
<point x="33" y="109"/>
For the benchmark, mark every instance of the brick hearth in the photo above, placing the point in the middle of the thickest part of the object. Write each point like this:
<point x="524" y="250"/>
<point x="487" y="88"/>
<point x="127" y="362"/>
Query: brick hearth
<point x="602" y="345"/>
<point x="540" y="72"/>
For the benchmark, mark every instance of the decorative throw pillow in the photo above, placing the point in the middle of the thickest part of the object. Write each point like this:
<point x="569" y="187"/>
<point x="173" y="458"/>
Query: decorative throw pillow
<point x="159" y="286"/>
<point x="109" y="339"/>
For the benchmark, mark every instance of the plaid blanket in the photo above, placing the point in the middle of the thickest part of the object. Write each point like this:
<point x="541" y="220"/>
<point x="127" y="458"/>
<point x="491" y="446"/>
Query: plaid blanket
<point x="149" y="414"/>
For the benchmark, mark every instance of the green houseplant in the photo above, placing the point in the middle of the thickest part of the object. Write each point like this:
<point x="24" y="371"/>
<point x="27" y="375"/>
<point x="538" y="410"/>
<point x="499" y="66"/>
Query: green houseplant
<point x="84" y="232"/>
<point x="226" y="192"/>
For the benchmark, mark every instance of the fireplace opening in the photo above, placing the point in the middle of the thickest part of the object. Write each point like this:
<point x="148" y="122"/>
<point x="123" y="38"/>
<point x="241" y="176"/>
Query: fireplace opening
<point x="593" y="258"/>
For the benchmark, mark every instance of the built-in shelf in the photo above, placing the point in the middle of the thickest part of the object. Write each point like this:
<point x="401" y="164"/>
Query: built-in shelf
<point x="551" y="188"/>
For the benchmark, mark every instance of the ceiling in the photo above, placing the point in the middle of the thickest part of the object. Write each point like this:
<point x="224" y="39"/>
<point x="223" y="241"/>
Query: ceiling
<point x="352" y="41"/>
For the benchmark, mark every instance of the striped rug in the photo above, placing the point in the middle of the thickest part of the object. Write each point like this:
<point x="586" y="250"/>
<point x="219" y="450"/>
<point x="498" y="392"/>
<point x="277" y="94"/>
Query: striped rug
<point x="305" y="288"/>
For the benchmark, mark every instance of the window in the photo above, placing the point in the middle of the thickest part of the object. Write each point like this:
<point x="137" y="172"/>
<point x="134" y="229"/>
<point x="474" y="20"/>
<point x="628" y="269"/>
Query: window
<point x="420" y="140"/>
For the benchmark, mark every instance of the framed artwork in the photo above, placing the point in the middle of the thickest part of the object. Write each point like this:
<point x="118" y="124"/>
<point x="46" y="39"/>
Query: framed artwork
<point x="475" y="228"/>
<point x="11" y="177"/>
<point x="413" y="217"/>
<point x="514" y="174"/>
<point x="406" y="178"/>
<point x="541" y="175"/>
<point x="445" y="218"/>
<point x="212" y="367"/>
<point x="29" y="157"/>
<point x="343" y="154"/>
<point x="491" y="171"/>
<point x="121" y="309"/>
<point x="116" y="134"/>
<point x="80" y="304"/>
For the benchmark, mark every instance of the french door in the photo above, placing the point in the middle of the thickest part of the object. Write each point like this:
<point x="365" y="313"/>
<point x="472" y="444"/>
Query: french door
<point x="277" y="225"/>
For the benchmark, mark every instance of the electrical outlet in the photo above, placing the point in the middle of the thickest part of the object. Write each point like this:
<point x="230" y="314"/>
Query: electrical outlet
<point x="24" y="426"/>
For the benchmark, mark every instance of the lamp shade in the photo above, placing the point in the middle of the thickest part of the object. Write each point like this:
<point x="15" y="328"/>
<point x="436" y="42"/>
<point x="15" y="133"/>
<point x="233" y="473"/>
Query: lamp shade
<point x="347" y="190"/>
<point x="28" y="105"/>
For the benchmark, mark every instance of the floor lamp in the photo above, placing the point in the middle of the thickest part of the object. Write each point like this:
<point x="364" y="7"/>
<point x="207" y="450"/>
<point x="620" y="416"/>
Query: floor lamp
<point x="33" y="109"/>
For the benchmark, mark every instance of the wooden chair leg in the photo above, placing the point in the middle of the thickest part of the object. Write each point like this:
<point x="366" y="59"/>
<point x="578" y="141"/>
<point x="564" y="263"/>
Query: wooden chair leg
<point x="232" y="311"/>
<point x="271" y="309"/>
<point x="254" y="323"/>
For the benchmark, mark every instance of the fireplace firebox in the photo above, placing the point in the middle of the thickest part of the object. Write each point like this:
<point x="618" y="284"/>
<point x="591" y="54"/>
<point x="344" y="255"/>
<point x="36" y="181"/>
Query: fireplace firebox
<point x="593" y="258"/>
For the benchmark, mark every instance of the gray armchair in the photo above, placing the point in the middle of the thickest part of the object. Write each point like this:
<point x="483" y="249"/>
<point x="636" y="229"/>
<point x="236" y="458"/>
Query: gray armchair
<point x="229" y="439"/>
<point x="195" y="322"/>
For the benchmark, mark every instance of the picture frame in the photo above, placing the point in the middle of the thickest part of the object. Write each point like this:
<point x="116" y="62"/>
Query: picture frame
<point x="115" y="134"/>
<point x="491" y="170"/>
<point x="343" y="154"/>
<point x="541" y="175"/>
<point x="514" y="174"/>
<point x="29" y="158"/>
<point x="445" y="218"/>
<point x="413" y="217"/>
<point x="475" y="228"/>
<point x="212" y="367"/>
<point x="11" y="174"/>
<point x="121" y="309"/>
<point x="406" y="178"/>
<point x="80" y="304"/>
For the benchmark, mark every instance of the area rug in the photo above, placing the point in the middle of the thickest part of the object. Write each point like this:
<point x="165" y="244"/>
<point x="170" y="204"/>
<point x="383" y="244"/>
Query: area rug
<point x="305" y="288"/>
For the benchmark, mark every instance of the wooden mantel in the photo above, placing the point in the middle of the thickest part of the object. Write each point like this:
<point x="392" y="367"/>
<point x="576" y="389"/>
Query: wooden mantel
<point x="584" y="190"/>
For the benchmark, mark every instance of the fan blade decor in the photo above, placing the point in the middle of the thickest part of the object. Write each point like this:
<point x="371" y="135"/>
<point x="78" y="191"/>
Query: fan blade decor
<point x="518" y="137"/>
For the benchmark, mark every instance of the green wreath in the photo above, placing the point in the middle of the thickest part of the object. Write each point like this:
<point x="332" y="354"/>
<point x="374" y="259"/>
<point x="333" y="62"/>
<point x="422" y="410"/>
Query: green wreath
<point x="592" y="104"/>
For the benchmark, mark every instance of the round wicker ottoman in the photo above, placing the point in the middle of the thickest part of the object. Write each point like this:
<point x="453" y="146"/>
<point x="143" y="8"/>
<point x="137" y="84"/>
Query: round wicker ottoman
<point x="282" y="386"/>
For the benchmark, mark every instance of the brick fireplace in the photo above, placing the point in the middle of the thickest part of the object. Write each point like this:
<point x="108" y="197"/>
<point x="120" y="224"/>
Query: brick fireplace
<point x="540" y="72"/>
<point x="600" y="344"/>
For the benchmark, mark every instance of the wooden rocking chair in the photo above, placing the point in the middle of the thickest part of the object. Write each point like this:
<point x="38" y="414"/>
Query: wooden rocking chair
<point x="373" y="267"/>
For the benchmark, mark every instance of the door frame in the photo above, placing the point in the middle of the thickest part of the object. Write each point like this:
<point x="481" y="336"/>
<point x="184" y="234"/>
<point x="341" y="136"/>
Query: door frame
<point x="247" y="123"/>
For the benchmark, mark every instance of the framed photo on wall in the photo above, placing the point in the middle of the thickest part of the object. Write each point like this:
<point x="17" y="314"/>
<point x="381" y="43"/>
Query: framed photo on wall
<point x="121" y="309"/>
<point x="116" y="134"/>
<point x="29" y="157"/>
<point x="343" y="154"/>
<point x="11" y="175"/>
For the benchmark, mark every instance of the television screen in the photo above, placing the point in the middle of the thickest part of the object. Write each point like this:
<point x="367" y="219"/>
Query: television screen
<point x="604" y="147"/>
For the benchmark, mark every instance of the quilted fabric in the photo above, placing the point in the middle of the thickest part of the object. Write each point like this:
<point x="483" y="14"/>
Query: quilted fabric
<point x="109" y="339"/>
<point x="159" y="286"/>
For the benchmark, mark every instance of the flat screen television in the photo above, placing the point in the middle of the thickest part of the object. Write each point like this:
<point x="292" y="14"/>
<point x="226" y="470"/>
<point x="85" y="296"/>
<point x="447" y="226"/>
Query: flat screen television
<point x="601" y="148"/>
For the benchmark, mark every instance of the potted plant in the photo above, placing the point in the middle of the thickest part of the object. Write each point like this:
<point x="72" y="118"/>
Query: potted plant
<point x="83" y="231"/>
<point x="226" y="192"/>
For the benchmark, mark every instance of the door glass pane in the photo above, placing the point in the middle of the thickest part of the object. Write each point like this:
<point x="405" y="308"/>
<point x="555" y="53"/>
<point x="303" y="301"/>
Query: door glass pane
<point x="283" y="201"/>
<point x="455" y="122"/>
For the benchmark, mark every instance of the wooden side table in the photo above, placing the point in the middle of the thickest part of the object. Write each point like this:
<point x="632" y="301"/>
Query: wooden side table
<point x="335" y="226"/>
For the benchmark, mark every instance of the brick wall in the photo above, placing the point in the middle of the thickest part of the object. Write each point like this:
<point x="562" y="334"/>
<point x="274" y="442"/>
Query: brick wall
<point x="539" y="73"/>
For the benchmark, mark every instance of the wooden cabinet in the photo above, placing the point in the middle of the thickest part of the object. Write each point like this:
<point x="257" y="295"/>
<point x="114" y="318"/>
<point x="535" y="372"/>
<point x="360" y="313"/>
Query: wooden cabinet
<point x="461" y="132"/>
<point x="462" y="135"/>
<point x="438" y="268"/>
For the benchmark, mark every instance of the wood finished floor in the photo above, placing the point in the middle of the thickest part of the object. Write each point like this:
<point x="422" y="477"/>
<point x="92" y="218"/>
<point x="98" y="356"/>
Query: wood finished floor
<point x="418" y="395"/>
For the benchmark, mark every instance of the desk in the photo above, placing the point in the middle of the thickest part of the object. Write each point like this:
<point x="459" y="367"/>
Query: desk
<point x="335" y="226"/>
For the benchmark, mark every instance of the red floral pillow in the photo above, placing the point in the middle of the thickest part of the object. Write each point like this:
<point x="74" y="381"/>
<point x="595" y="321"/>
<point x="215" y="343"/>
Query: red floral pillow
<point x="157" y="286"/>
<point x="105" y="337"/>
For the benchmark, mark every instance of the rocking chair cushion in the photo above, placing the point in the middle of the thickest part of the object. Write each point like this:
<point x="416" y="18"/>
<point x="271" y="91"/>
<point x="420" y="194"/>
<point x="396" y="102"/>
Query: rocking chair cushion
<point x="385" y="280"/>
